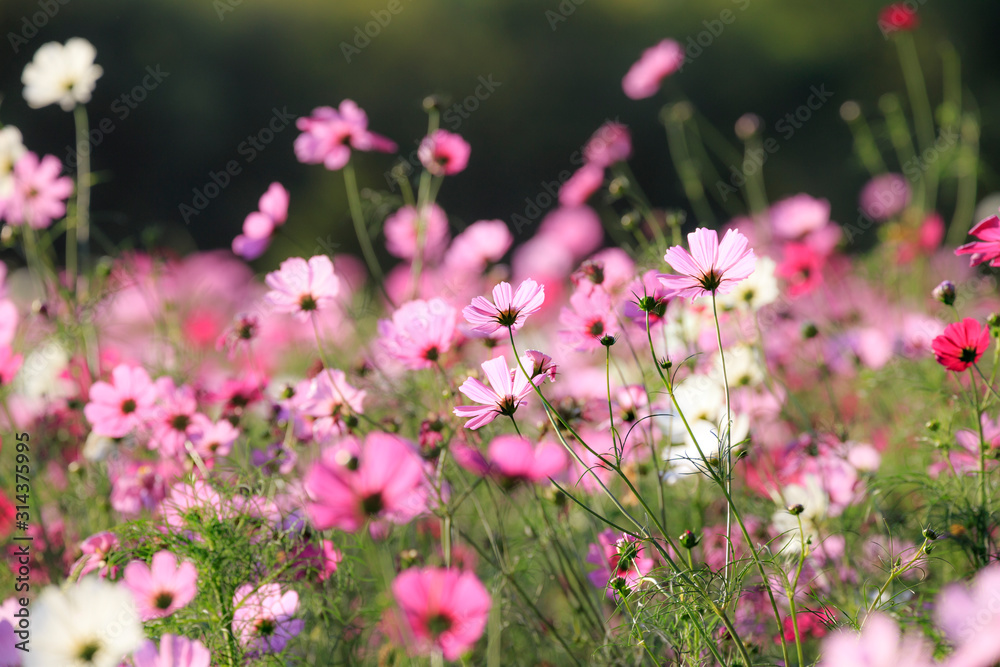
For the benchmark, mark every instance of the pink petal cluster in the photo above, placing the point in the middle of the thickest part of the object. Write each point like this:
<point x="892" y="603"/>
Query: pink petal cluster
<point x="329" y="134"/>
<point x="444" y="153"/>
<point x="987" y="248"/>
<point x="656" y="63"/>
<point x="174" y="651"/>
<point x="259" y="226"/>
<point x="303" y="287"/>
<point x="125" y="404"/>
<point x="419" y="332"/>
<point x="409" y="232"/>
<point x="610" y="144"/>
<point x="711" y="267"/>
<point x="39" y="194"/>
<point x="264" y="617"/>
<point x="508" y="310"/>
<point x="163" y="587"/>
<point x="508" y="390"/>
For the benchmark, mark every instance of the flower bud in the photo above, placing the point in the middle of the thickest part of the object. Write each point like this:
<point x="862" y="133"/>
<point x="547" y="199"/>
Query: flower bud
<point x="809" y="331"/>
<point x="688" y="539"/>
<point x="795" y="509"/>
<point x="929" y="534"/>
<point x="945" y="292"/>
<point x="607" y="340"/>
<point x="933" y="425"/>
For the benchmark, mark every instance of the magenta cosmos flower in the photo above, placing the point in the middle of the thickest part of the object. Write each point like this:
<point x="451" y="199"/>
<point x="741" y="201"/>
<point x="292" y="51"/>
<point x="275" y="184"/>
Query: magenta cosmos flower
<point x="174" y="651"/>
<point x="162" y="588"/>
<point x="961" y="344"/>
<point x="507" y="391"/>
<point x="444" y="153"/>
<point x="39" y="194"/>
<point x="116" y="409"/>
<point x="509" y="308"/>
<point x="259" y="226"/>
<point x="419" y="332"/>
<point x="303" y="287"/>
<point x="441" y="609"/>
<point x="383" y="479"/>
<point x="330" y="400"/>
<point x="263" y="619"/>
<point x="987" y="248"/>
<point x="515" y="459"/>
<point x="329" y="134"/>
<point x="656" y="63"/>
<point x="711" y="267"/>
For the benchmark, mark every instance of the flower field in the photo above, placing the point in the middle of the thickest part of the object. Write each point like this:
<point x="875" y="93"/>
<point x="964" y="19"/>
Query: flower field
<point x="712" y="431"/>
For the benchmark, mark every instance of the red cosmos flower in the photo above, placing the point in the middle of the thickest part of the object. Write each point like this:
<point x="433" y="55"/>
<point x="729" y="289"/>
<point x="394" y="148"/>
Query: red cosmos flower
<point x="896" y="17"/>
<point x="961" y="344"/>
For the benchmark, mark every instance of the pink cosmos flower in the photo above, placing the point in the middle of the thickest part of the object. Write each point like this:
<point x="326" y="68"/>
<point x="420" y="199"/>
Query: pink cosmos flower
<point x="541" y="366"/>
<point x="10" y="364"/>
<point x="802" y="267"/>
<point x="212" y="439"/>
<point x="174" y="651"/>
<point x="263" y="619"/>
<point x="116" y="409"/>
<point x="507" y="391"/>
<point x="303" y="287"/>
<point x="173" y="418"/>
<point x="885" y="196"/>
<point x="621" y="561"/>
<point x="140" y="485"/>
<point x="384" y="478"/>
<point x="419" y="332"/>
<point x="329" y="134"/>
<point x="162" y="588"/>
<point x="39" y="194"/>
<point x="711" y="267"/>
<point x="441" y="609"/>
<point x="961" y="344"/>
<point x="794" y="217"/>
<point x="482" y="243"/>
<point x="970" y="618"/>
<point x="590" y="318"/>
<point x="96" y="550"/>
<point x="330" y="400"/>
<point x="577" y="189"/>
<point x="259" y="226"/>
<point x="611" y="143"/>
<point x="880" y="644"/>
<point x="656" y="63"/>
<point x="514" y="458"/>
<point x="509" y="308"/>
<point x="196" y="503"/>
<point x="405" y="229"/>
<point x="987" y="248"/>
<point x="897" y="16"/>
<point x="242" y="332"/>
<point x="444" y="153"/>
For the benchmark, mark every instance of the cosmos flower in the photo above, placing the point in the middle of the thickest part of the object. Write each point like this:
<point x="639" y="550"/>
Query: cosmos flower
<point x="61" y="73"/>
<point x="507" y="391"/>
<point x="162" y="588"/>
<point x="509" y="308"/>
<point x="174" y="651"/>
<point x="444" y="153"/>
<point x="303" y="287"/>
<point x="38" y="195"/>
<point x="961" y="344"/>
<point x="127" y="403"/>
<point x="710" y="267"/>
<point x="263" y="619"/>
<point x="656" y="63"/>
<point x="987" y="248"/>
<point x="419" y="332"/>
<point x="329" y="134"/>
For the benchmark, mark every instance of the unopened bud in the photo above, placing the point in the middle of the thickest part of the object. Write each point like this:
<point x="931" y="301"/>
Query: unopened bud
<point x="933" y="425"/>
<point x="607" y="340"/>
<point x="795" y="509"/>
<point x="688" y="539"/>
<point x="945" y="292"/>
<point x="929" y="534"/>
<point x="809" y="330"/>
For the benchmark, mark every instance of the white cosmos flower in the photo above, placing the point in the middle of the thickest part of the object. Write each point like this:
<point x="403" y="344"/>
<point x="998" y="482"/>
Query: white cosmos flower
<point x="757" y="291"/>
<point x="91" y="624"/>
<point x="742" y="367"/>
<point x="63" y="73"/>
<point x="815" y="505"/>
<point x="11" y="149"/>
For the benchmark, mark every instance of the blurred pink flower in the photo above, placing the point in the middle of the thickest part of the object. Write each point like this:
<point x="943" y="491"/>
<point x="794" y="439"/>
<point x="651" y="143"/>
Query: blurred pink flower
<point x="263" y="617"/>
<point x="116" y="409"/>
<point x="578" y="229"/>
<point x="212" y="439"/>
<point x="970" y="618"/>
<point x="578" y="188"/>
<point x="327" y="134"/>
<point x="507" y="391"/>
<point x="259" y="226"/>
<point x="162" y="588"/>
<point x="509" y="308"/>
<point x="302" y="287"/>
<point x="880" y="644"/>
<point x="590" y="318"/>
<point x="96" y="550"/>
<point x="515" y="459"/>
<point x="656" y="63"/>
<point x="987" y="248"/>
<point x="611" y="143"/>
<point x="10" y="364"/>
<point x="621" y="561"/>
<point x="444" y="153"/>
<point x="39" y="193"/>
<point x="802" y="267"/>
<point x="383" y="480"/>
<point x="711" y="267"/>
<point x="405" y="229"/>
<point x="885" y="196"/>
<point x="419" y="332"/>
<point x="140" y="485"/>
<point x="174" y="651"/>
<point x="330" y="401"/>
<point x="796" y="216"/>
<point x="961" y="344"/>
<point x="441" y="608"/>
<point x="482" y="243"/>
<point x="172" y="418"/>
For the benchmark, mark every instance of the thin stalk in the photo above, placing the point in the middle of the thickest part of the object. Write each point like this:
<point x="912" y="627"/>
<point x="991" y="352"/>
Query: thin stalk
<point x="78" y="228"/>
<point x="357" y="216"/>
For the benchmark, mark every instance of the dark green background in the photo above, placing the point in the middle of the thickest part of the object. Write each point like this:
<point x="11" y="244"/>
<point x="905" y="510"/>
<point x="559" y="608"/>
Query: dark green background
<point x="557" y="86"/>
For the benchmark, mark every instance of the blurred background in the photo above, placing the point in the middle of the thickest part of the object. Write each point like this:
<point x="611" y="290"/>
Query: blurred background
<point x="533" y="79"/>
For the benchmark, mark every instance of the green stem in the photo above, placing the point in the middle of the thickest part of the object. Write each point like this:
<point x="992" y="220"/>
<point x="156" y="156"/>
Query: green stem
<point x="78" y="228"/>
<point x="357" y="216"/>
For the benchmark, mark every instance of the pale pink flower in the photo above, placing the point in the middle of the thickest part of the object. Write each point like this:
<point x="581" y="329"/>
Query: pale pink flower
<point x="970" y="618"/>
<point x="581" y="185"/>
<point x="444" y="153"/>
<point x="174" y="651"/>
<point x="541" y="366"/>
<point x="507" y="391"/>
<point x="116" y="409"/>
<point x="514" y="458"/>
<point x="621" y="559"/>
<point x="656" y="63"/>
<point x="39" y="194"/>
<point x="303" y="287"/>
<point x="590" y="318"/>
<point x="141" y="485"/>
<point x="162" y="588"/>
<point x="330" y="400"/>
<point x="880" y="644"/>
<point x="197" y="503"/>
<point x="441" y="609"/>
<point x="611" y="143"/>
<point x="509" y="308"/>
<point x="405" y="230"/>
<point x="885" y="196"/>
<point x="212" y="439"/>
<point x="796" y="216"/>
<point x="263" y="617"/>
<point x="259" y="226"/>
<point x="96" y="550"/>
<point x="711" y="267"/>
<point x="173" y="418"/>
<point x="352" y="483"/>
<point x="329" y="134"/>
<point x="482" y="243"/>
<point x="577" y="229"/>
<point x="419" y="332"/>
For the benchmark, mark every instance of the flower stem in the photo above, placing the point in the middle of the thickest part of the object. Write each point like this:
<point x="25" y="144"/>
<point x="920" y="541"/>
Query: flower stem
<point x="354" y="202"/>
